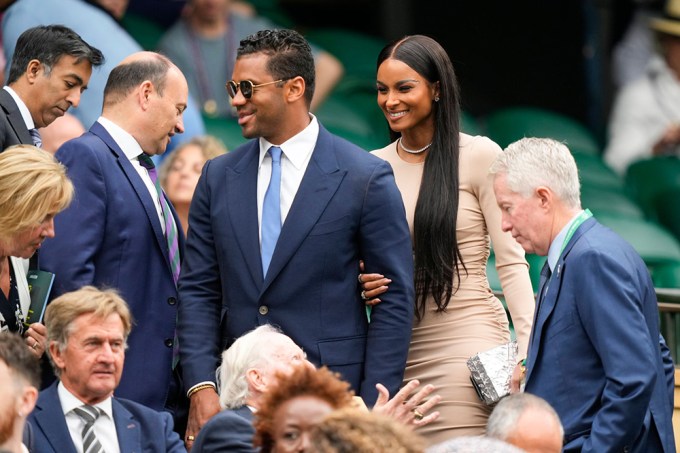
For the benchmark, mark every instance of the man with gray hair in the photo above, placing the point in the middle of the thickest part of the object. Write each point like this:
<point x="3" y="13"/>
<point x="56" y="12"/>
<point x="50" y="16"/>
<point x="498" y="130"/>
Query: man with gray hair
<point x="249" y="368"/>
<point x="595" y="352"/>
<point x="87" y="332"/>
<point x="528" y="422"/>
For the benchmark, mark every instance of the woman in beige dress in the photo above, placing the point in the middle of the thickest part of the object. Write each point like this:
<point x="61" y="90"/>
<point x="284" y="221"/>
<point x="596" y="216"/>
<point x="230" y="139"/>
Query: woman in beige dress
<point x="452" y="212"/>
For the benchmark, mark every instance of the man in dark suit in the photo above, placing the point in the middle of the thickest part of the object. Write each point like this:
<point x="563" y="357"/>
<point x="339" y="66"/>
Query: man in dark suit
<point x="121" y="231"/>
<point x="595" y="354"/>
<point x="49" y="71"/>
<point x="87" y="335"/>
<point x="276" y="231"/>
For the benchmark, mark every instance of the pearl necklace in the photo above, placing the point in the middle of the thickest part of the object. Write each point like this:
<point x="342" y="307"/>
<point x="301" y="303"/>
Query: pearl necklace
<point x="413" y="151"/>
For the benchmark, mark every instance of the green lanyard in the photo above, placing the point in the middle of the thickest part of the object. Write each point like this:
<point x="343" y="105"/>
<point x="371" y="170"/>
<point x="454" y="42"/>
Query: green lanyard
<point x="582" y="217"/>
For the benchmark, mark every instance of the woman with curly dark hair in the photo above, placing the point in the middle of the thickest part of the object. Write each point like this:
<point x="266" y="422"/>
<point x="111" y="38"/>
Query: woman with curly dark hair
<point x="296" y="403"/>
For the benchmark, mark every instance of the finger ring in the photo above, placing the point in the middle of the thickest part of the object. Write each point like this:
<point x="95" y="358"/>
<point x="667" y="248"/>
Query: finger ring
<point x="359" y="278"/>
<point x="418" y="416"/>
<point x="363" y="295"/>
<point x="190" y="438"/>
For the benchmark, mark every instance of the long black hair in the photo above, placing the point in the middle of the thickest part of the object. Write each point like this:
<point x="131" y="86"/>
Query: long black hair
<point x="437" y="257"/>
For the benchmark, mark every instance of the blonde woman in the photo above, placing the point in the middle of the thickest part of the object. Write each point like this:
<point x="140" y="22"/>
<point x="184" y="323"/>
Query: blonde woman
<point x="33" y="189"/>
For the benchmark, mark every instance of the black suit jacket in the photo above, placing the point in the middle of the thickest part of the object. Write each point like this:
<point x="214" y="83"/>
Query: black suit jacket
<point x="13" y="130"/>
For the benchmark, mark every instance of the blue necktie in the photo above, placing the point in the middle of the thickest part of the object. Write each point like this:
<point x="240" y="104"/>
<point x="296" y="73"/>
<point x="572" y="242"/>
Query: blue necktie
<point x="271" y="211"/>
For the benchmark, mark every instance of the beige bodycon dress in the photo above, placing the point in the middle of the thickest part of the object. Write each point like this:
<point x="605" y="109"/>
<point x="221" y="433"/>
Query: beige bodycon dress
<point x="474" y="320"/>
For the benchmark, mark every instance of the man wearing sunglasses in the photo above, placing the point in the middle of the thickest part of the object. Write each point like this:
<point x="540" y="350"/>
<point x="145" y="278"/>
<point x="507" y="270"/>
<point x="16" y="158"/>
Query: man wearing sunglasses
<point x="276" y="231"/>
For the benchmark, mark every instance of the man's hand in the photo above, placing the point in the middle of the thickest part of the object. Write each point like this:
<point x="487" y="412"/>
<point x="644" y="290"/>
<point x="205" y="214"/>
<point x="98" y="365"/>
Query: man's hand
<point x="203" y="405"/>
<point x="406" y="408"/>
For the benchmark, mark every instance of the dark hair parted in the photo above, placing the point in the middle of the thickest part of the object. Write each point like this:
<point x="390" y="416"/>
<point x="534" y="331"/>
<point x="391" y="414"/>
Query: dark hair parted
<point x="47" y="44"/>
<point x="125" y="77"/>
<point x="289" y="55"/>
<point x="18" y="358"/>
<point x="303" y="381"/>
<point x="437" y="257"/>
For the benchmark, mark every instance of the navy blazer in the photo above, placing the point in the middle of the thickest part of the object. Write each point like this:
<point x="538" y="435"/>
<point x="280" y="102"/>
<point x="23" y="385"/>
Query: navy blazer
<point x="595" y="353"/>
<point x="347" y="208"/>
<point x="13" y="130"/>
<point x="111" y="236"/>
<point x="139" y="429"/>
<point x="230" y="430"/>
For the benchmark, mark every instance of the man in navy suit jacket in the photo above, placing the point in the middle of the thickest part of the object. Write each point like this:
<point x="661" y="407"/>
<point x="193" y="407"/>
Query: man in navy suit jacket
<point x="595" y="352"/>
<point x="114" y="233"/>
<point x="87" y="336"/>
<point x="338" y="204"/>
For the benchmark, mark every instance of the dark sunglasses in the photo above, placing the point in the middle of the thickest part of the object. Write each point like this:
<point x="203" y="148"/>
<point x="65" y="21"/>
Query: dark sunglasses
<point x="247" y="87"/>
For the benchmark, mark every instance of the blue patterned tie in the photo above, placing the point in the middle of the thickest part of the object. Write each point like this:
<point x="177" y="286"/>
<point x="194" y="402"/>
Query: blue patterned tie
<point x="170" y="226"/>
<point x="171" y="236"/>
<point x="35" y="136"/>
<point x="271" y="211"/>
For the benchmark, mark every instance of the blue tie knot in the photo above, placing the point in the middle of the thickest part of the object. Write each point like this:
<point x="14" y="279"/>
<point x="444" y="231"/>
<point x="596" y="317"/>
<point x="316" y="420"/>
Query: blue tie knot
<point x="275" y="152"/>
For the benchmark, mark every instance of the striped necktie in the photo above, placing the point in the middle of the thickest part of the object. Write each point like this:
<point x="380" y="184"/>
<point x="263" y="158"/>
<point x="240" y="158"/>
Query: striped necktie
<point x="271" y="211"/>
<point x="89" y="415"/>
<point x="35" y="136"/>
<point x="170" y="226"/>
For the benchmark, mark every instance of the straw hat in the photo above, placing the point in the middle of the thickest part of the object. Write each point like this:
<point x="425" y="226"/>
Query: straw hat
<point x="669" y="23"/>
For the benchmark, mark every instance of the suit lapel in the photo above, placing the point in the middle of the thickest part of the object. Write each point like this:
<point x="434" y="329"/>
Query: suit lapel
<point x="14" y="117"/>
<point x="50" y="419"/>
<point x="127" y="428"/>
<point x="138" y="186"/>
<point x="320" y="182"/>
<point x="241" y="184"/>
<point x="547" y="305"/>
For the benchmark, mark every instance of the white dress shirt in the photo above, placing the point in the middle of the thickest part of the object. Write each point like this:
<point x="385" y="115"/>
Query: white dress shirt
<point x="295" y="156"/>
<point x="25" y="113"/>
<point x="104" y="426"/>
<point x="132" y="151"/>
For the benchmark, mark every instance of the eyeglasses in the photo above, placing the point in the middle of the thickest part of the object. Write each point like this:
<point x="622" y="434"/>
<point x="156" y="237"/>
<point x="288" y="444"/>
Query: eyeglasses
<point x="247" y="87"/>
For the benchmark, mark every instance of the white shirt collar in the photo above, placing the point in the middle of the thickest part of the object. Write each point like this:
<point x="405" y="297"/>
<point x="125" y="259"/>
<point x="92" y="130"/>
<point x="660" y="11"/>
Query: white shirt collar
<point x="555" y="249"/>
<point x="297" y="148"/>
<point x="122" y="137"/>
<point x="69" y="402"/>
<point x="25" y="113"/>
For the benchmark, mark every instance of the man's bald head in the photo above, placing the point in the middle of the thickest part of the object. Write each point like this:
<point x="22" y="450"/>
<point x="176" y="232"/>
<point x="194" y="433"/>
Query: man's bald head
<point x="134" y="70"/>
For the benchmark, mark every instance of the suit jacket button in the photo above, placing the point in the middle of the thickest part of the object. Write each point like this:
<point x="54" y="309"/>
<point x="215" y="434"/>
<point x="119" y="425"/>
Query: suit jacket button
<point x="263" y="310"/>
<point x="168" y="342"/>
<point x="172" y="301"/>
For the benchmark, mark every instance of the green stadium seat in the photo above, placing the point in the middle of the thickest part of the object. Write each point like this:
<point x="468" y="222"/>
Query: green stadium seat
<point x="609" y="201"/>
<point x="226" y="129"/>
<point x="656" y="245"/>
<point x="667" y="209"/>
<point x="145" y="31"/>
<point x="595" y="173"/>
<point x="646" y="179"/>
<point x="507" y="125"/>
<point x="357" y="51"/>
<point x="470" y="125"/>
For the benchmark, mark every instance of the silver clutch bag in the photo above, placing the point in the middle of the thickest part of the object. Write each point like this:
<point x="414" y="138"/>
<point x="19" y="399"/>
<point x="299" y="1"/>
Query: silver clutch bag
<point x="491" y="371"/>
